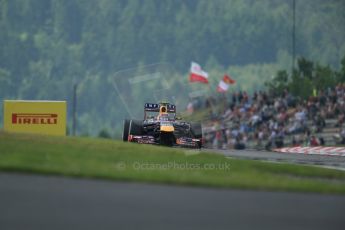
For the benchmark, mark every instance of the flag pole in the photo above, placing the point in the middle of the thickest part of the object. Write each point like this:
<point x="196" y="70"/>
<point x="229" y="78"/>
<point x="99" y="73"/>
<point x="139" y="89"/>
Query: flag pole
<point x="210" y="97"/>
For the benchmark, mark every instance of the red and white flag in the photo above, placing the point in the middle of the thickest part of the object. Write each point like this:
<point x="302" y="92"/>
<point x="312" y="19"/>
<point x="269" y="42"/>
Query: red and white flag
<point x="197" y="74"/>
<point x="223" y="85"/>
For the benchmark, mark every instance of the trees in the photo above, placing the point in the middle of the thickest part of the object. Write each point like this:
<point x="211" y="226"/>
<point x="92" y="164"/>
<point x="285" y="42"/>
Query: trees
<point x="306" y="78"/>
<point x="48" y="45"/>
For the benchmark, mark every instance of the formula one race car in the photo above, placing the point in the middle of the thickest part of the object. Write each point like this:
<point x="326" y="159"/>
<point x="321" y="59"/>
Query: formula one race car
<point x="161" y="126"/>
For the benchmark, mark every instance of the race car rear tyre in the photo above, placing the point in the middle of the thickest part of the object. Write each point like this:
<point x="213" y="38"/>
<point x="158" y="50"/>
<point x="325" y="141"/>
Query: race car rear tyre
<point x="135" y="127"/>
<point x="125" y="130"/>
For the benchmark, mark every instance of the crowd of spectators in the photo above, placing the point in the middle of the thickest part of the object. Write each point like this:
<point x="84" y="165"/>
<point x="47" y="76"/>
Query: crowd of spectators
<point x="266" y="119"/>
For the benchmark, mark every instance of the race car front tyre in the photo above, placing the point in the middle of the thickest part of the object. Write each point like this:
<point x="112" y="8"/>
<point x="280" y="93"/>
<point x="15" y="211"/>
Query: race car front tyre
<point x="135" y="127"/>
<point x="125" y="130"/>
<point x="196" y="131"/>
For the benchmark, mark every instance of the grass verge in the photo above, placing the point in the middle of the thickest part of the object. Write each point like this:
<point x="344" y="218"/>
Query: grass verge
<point x="115" y="160"/>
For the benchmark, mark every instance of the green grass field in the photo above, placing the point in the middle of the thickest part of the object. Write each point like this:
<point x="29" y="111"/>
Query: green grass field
<point x="115" y="160"/>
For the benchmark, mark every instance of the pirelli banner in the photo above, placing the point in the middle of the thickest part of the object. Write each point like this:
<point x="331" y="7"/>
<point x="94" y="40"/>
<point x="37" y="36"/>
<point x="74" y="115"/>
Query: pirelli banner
<point x="44" y="117"/>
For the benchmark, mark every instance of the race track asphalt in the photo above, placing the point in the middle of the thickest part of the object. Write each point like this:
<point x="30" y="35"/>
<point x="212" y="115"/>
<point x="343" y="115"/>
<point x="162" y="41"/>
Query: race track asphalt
<point x="49" y="202"/>
<point x="337" y="162"/>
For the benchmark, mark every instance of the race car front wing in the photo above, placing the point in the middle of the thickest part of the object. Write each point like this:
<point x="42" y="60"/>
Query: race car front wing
<point x="181" y="141"/>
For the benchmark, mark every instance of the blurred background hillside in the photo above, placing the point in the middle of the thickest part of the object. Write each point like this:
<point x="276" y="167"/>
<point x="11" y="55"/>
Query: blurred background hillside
<point x="47" y="46"/>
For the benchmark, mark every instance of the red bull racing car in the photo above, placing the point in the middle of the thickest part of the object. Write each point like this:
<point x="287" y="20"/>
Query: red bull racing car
<point x="161" y="126"/>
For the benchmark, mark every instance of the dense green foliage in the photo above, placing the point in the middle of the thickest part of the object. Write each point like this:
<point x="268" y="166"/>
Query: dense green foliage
<point x="48" y="45"/>
<point x="308" y="79"/>
<point x="116" y="160"/>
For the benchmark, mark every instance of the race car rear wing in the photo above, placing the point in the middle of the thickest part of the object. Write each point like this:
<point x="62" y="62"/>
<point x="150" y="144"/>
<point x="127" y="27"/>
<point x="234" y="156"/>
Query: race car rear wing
<point x="150" y="107"/>
<point x="171" y="108"/>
